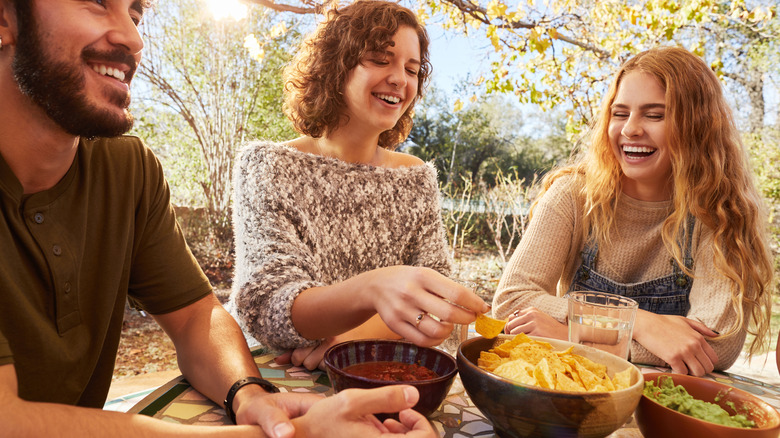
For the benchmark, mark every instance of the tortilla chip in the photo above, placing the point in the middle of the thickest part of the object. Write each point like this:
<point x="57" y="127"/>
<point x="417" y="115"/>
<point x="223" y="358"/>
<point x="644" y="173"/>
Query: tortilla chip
<point x="544" y="377"/>
<point x="622" y="379"/>
<point x="566" y="383"/>
<point x="488" y="327"/>
<point x="518" y="370"/>
<point x="489" y="361"/>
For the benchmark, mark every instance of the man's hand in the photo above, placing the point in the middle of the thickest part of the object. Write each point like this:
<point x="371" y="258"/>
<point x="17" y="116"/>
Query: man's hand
<point x="273" y="412"/>
<point x="350" y="413"/>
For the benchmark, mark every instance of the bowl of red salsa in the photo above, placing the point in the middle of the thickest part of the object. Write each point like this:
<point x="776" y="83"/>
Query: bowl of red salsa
<point x="371" y="363"/>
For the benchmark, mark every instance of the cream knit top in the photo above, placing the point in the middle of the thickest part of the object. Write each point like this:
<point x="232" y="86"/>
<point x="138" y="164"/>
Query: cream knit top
<point x="542" y="268"/>
<point x="303" y="220"/>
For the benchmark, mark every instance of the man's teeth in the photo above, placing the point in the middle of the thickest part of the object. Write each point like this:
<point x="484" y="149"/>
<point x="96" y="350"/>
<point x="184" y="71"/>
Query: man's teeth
<point x="638" y="149"/>
<point x="391" y="99"/>
<point x="109" y="71"/>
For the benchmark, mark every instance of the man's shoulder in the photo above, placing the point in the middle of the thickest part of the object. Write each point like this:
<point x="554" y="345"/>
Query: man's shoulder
<point x="125" y="148"/>
<point x="120" y="142"/>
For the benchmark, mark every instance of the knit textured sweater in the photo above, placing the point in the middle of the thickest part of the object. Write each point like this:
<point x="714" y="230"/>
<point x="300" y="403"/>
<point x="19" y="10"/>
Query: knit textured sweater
<point x="302" y="220"/>
<point x="543" y="265"/>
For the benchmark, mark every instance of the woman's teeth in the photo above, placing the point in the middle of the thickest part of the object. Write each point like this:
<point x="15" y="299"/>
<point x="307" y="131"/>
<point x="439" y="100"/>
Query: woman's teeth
<point x="389" y="99"/>
<point x="638" y="150"/>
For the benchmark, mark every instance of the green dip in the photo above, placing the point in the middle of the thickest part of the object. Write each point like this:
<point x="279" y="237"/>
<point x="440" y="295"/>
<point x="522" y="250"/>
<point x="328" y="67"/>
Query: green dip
<point x="677" y="398"/>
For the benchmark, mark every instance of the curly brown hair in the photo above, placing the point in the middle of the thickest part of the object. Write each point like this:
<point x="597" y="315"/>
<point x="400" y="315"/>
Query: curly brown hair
<point x="314" y="81"/>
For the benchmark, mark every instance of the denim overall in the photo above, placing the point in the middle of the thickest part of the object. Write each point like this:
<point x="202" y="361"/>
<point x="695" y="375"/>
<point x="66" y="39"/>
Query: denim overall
<point x="665" y="295"/>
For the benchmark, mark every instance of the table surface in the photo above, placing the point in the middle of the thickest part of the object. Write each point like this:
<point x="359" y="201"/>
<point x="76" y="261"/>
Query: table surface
<point x="178" y="402"/>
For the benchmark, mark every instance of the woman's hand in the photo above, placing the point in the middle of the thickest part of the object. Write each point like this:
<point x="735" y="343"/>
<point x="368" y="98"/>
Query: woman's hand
<point x="533" y="321"/>
<point x="679" y="341"/>
<point x="420" y="304"/>
<point x="308" y="357"/>
<point x="350" y="413"/>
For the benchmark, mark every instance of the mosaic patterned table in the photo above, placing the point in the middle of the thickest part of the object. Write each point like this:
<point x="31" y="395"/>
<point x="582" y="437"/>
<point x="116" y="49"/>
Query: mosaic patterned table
<point x="457" y="417"/>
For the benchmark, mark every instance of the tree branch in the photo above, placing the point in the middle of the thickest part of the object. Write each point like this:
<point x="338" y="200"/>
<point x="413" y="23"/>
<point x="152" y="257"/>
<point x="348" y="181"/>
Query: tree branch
<point x="312" y="8"/>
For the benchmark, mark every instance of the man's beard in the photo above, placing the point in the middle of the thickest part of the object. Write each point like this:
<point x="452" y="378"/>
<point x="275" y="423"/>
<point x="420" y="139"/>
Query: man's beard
<point x="58" y="87"/>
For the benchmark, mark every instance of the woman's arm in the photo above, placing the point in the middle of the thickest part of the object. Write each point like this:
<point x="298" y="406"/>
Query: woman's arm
<point x="544" y="256"/>
<point x="686" y="343"/>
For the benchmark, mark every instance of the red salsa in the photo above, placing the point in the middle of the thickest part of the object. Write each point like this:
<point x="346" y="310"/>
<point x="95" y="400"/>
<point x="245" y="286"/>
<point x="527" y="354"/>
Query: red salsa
<point x="391" y="371"/>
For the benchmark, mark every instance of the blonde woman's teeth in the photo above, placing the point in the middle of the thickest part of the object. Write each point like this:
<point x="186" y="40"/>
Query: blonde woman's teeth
<point x="638" y="149"/>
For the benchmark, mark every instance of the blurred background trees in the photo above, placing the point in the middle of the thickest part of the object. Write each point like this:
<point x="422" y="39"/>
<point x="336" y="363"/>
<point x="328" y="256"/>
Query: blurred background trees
<point x="209" y="84"/>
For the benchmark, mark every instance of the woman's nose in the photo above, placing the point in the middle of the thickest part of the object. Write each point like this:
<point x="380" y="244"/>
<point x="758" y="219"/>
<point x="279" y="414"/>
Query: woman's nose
<point x="632" y="128"/>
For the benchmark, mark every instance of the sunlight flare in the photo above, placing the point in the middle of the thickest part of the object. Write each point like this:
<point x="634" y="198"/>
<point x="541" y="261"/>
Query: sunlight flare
<point x="233" y="9"/>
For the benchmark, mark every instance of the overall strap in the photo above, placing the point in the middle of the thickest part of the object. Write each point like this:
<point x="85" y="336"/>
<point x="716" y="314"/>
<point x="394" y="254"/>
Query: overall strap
<point x="681" y="279"/>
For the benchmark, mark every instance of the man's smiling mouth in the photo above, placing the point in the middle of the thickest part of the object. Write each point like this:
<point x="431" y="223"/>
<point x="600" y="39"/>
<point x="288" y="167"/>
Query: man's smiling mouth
<point x="109" y="71"/>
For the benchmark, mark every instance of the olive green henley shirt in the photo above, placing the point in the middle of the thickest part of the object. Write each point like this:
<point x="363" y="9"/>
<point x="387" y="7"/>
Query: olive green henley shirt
<point x="69" y="258"/>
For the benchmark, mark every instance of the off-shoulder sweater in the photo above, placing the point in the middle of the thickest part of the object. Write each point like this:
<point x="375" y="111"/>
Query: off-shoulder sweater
<point x="302" y="220"/>
<point x="542" y="268"/>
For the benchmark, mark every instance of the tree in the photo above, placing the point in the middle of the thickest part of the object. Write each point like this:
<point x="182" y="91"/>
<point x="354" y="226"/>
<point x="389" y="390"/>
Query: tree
<point x="480" y="139"/>
<point x="561" y="53"/>
<point x="210" y="93"/>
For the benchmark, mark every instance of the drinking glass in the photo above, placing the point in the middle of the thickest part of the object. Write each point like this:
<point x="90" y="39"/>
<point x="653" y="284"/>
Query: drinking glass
<point x="601" y="320"/>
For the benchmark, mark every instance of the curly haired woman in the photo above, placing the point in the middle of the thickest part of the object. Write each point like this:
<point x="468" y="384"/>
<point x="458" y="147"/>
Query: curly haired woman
<point x="661" y="208"/>
<point x="338" y="237"/>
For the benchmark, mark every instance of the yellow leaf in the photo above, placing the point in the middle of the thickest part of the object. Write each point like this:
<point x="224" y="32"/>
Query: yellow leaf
<point x="458" y="105"/>
<point x="278" y="30"/>
<point x="255" y="49"/>
<point x="495" y="9"/>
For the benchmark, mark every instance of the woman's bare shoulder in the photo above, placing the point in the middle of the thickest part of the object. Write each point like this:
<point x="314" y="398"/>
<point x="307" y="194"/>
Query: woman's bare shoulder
<point x="400" y="159"/>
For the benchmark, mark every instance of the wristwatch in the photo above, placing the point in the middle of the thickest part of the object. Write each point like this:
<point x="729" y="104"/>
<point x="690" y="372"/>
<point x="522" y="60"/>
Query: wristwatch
<point x="267" y="386"/>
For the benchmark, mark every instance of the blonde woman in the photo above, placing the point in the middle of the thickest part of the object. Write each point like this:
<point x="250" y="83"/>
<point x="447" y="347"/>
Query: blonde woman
<point x="661" y="208"/>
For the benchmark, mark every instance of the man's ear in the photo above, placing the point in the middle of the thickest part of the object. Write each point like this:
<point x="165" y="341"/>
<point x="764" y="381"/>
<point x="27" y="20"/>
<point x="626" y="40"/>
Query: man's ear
<point x="7" y="22"/>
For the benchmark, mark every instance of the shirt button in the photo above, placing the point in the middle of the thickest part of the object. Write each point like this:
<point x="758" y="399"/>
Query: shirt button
<point x="67" y="287"/>
<point x="56" y="249"/>
<point x="38" y="218"/>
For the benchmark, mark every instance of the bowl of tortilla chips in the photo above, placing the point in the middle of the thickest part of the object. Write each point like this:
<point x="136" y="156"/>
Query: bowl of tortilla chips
<point x="530" y="386"/>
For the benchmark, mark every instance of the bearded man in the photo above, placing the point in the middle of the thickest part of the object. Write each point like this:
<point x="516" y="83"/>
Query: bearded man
<point x="87" y="224"/>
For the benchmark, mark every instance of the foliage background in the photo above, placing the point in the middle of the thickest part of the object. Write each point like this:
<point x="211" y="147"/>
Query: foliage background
<point x="207" y="86"/>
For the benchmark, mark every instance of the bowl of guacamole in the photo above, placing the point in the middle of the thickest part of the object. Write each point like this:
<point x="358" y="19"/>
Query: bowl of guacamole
<point x="687" y="406"/>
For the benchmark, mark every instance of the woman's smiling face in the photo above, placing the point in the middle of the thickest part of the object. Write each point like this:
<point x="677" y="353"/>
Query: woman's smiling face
<point x="383" y="85"/>
<point x="638" y="136"/>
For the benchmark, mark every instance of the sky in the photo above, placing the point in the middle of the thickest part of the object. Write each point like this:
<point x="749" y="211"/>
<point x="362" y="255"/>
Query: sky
<point x="454" y="57"/>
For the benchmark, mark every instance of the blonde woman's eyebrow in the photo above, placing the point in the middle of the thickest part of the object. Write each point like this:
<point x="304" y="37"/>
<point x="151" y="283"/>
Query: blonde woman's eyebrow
<point x="646" y="106"/>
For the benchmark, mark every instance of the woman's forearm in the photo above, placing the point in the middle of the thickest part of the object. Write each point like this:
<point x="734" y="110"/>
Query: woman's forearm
<point x="326" y="311"/>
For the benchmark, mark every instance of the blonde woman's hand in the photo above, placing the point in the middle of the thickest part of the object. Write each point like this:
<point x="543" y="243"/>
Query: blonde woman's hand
<point x="534" y="322"/>
<point x="679" y="341"/>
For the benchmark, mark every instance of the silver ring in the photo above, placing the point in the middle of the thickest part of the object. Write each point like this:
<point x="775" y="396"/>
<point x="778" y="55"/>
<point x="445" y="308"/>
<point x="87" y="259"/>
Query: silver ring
<point x="419" y="319"/>
<point x="516" y="313"/>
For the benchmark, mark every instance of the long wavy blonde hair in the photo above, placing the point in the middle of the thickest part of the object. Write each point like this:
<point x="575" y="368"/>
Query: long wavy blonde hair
<point x="711" y="178"/>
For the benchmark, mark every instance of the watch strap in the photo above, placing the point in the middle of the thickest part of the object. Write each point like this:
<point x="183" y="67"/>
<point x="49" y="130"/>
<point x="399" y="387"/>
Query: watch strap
<point x="265" y="384"/>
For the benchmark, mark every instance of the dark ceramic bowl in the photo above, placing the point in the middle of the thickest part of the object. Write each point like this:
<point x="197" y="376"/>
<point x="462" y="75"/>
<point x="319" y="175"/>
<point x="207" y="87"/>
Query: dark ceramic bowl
<point x="432" y="392"/>
<point x="519" y="410"/>
<point x="659" y="421"/>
